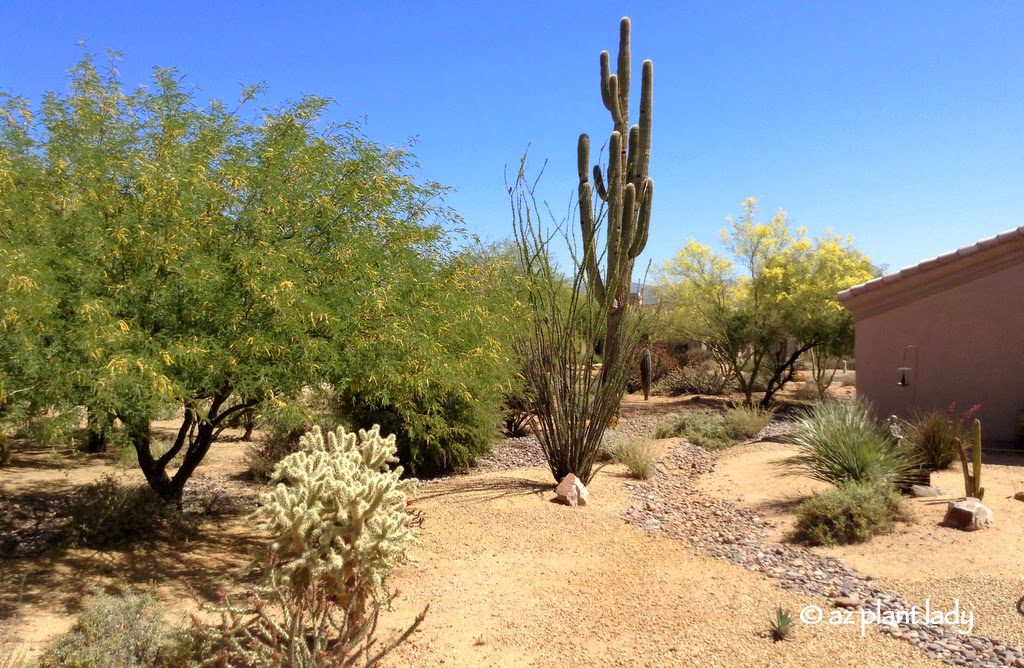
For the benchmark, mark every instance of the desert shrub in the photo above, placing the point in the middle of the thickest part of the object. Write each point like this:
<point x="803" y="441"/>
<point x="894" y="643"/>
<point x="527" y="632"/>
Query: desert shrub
<point x="124" y="630"/>
<point x="435" y="433"/>
<point x="714" y="430"/>
<point x="841" y="442"/>
<point x="807" y="392"/>
<point x="746" y="422"/>
<point x="932" y="439"/>
<point x="666" y="357"/>
<point x="701" y="378"/>
<point x="109" y="514"/>
<point x="705" y="428"/>
<point x="340" y="522"/>
<point x="639" y="456"/>
<point x="850" y="513"/>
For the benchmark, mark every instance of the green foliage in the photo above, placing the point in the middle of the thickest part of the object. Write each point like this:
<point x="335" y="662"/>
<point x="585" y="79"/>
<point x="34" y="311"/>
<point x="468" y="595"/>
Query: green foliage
<point x="715" y="430"/>
<point x="158" y="250"/>
<point x="746" y="422"/>
<point x="638" y="455"/>
<point x="339" y="514"/>
<point x="841" y="442"/>
<point x="778" y="288"/>
<point x="110" y="514"/>
<point x="706" y="378"/>
<point x="781" y="624"/>
<point x="850" y="513"/>
<point x="126" y="630"/>
<point x="933" y="439"/>
<point x="972" y="476"/>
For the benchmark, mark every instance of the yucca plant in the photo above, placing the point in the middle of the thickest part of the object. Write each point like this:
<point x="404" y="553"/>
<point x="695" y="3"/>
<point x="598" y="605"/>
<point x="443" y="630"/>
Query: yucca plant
<point x="781" y="623"/>
<point x="841" y="442"/>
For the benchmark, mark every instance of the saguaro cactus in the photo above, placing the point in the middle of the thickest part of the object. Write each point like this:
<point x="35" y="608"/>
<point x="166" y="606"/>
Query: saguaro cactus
<point x="626" y="193"/>
<point x="972" y="476"/>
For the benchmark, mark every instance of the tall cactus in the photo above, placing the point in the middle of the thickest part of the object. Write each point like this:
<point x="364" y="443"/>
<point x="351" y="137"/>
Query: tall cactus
<point x="626" y="193"/>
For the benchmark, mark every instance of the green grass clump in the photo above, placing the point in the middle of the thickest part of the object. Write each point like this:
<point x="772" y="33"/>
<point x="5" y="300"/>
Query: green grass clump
<point x="933" y="439"/>
<point x="638" y="455"/>
<point x="841" y="442"/>
<point x="850" y="513"/>
<point x="715" y="430"/>
<point x="746" y="422"/>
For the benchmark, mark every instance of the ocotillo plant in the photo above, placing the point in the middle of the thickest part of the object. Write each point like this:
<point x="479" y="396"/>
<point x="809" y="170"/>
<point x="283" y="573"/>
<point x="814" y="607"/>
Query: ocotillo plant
<point x="625" y="195"/>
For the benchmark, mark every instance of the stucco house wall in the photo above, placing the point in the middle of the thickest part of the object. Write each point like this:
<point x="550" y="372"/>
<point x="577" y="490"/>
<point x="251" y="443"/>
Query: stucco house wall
<point x="963" y="315"/>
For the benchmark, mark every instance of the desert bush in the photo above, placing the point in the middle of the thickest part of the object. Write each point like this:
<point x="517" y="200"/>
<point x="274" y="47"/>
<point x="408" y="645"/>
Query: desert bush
<point x="714" y="430"/>
<point x="807" y="392"/>
<point x="517" y="409"/>
<point x="850" y="513"/>
<point x="841" y="442"/>
<point x="705" y="428"/>
<point x="746" y="422"/>
<point x="124" y="630"/>
<point x="638" y="455"/>
<point x="109" y="514"/>
<point x="666" y="357"/>
<point x="932" y="439"/>
<point x="701" y="378"/>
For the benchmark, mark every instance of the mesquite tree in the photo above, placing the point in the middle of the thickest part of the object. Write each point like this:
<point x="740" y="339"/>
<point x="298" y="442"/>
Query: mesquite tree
<point x="625" y="196"/>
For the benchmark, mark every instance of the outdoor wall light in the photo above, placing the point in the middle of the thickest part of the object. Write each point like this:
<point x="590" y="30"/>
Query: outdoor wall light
<point x="903" y="382"/>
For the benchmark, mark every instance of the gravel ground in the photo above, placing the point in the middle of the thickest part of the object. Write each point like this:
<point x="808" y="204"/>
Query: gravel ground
<point x="668" y="505"/>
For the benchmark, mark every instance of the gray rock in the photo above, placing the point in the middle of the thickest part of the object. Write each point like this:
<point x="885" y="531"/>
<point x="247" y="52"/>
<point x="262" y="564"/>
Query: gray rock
<point x="924" y="490"/>
<point x="967" y="515"/>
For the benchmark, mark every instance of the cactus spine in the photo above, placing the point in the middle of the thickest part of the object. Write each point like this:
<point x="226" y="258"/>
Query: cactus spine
<point x="626" y="194"/>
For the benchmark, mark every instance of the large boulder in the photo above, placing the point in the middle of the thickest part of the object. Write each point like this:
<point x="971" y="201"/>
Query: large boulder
<point x="572" y="492"/>
<point x="967" y="515"/>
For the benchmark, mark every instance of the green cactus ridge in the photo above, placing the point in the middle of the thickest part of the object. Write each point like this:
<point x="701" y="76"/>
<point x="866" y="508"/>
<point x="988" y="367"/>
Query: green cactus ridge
<point x="628" y="191"/>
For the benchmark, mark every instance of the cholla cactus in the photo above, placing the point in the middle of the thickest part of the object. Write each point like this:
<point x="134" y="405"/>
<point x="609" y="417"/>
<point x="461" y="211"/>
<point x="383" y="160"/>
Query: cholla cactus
<point x="339" y="513"/>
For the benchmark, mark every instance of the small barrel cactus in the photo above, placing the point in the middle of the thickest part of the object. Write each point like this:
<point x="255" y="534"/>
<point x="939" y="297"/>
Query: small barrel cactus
<point x="339" y="514"/>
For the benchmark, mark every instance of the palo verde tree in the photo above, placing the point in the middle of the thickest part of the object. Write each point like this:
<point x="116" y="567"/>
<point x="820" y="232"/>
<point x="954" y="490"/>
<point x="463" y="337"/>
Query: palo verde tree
<point x="775" y="300"/>
<point x="624" y="197"/>
<point x="210" y="257"/>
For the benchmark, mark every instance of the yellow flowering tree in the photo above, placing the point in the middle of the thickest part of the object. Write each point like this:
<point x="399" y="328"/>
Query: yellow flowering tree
<point x="214" y="256"/>
<point x="771" y="300"/>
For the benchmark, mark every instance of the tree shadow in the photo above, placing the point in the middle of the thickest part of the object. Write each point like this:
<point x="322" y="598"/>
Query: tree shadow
<point x="480" y="490"/>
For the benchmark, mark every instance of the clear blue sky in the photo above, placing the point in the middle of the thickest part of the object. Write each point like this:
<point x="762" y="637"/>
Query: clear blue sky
<point x="899" y="123"/>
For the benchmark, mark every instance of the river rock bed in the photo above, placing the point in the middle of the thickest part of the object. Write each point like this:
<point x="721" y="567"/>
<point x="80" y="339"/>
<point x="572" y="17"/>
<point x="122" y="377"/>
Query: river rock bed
<point x="670" y="505"/>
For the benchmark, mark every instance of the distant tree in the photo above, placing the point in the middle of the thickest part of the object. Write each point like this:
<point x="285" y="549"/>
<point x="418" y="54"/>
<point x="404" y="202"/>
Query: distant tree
<point x="770" y="302"/>
<point x="199" y="256"/>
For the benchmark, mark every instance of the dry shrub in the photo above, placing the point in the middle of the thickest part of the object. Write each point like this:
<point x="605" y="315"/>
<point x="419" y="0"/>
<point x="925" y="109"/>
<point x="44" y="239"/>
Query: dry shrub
<point x="850" y="513"/>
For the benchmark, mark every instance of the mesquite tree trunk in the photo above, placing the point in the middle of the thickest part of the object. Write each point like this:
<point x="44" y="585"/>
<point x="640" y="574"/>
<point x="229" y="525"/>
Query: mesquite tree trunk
<point x="196" y="434"/>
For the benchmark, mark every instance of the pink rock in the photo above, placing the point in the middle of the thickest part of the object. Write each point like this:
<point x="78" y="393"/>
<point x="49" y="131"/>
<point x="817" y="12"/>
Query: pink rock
<point x="566" y="491"/>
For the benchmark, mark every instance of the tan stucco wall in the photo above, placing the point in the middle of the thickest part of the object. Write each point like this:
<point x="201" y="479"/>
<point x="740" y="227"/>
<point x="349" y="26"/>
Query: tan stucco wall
<point x="970" y="349"/>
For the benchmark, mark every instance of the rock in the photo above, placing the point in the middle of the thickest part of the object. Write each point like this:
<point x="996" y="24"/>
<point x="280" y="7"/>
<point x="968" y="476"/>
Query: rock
<point x="582" y="493"/>
<point x="846" y="602"/>
<point x="1019" y="496"/>
<point x="925" y="490"/>
<point x="967" y="515"/>
<point x="572" y="492"/>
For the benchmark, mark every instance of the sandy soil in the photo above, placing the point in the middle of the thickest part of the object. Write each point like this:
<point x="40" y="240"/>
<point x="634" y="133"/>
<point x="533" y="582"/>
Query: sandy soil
<point x="513" y="579"/>
<point x="984" y="570"/>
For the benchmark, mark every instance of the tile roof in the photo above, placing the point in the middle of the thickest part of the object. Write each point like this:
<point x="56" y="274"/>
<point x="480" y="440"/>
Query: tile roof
<point x="934" y="262"/>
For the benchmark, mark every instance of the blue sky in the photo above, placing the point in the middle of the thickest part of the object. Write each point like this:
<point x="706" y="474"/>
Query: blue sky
<point x="899" y="123"/>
